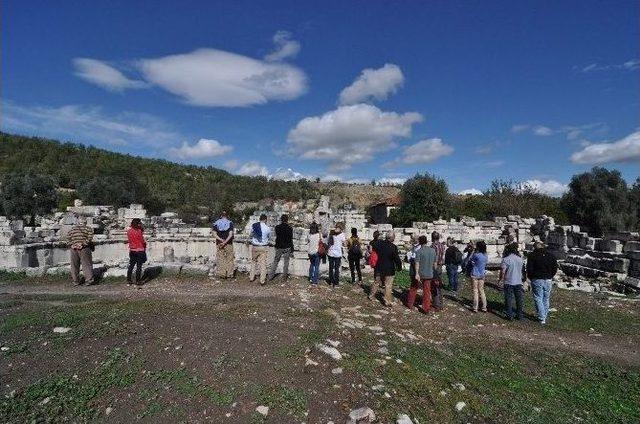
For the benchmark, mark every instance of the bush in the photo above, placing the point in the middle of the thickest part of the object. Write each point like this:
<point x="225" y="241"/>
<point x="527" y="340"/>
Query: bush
<point x="424" y="198"/>
<point x="28" y="194"/>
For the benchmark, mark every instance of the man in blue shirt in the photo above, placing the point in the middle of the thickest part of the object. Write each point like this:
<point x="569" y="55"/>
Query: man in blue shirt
<point x="260" y="233"/>
<point x="225" y="258"/>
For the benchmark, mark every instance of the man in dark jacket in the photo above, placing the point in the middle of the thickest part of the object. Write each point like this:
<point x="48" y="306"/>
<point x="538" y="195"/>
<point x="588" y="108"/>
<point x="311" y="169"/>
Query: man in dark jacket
<point x="388" y="263"/>
<point x="452" y="260"/>
<point x="541" y="267"/>
<point x="284" y="247"/>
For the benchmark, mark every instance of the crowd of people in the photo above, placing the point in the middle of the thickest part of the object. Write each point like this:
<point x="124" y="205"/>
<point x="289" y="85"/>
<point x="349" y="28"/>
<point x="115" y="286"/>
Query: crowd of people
<point x="428" y="263"/>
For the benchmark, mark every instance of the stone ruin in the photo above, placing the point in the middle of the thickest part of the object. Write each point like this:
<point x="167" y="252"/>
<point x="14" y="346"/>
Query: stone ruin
<point x="586" y="263"/>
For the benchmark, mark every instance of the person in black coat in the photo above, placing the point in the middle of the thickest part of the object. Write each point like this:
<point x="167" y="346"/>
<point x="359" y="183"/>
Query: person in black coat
<point x="388" y="263"/>
<point x="284" y="247"/>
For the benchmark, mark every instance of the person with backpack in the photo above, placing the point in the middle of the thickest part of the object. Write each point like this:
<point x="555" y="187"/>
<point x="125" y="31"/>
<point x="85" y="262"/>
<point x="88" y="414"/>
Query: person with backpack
<point x="315" y="249"/>
<point x="336" y="241"/>
<point x="260" y="233"/>
<point x="511" y="278"/>
<point x="541" y="268"/>
<point x="479" y="261"/>
<point x="354" y="255"/>
<point x="137" y="251"/>
<point x="284" y="247"/>
<point x="452" y="261"/>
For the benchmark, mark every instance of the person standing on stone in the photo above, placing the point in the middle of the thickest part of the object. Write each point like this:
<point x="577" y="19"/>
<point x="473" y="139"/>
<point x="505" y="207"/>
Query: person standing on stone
<point x="452" y="261"/>
<point x="388" y="263"/>
<point x="79" y="240"/>
<point x="225" y="258"/>
<point x="137" y="251"/>
<point x="511" y="278"/>
<point x="260" y="233"/>
<point x="424" y="262"/>
<point x="284" y="247"/>
<point x="314" y="250"/>
<point x="479" y="261"/>
<point x="541" y="268"/>
<point x="436" y="287"/>
<point x="336" y="242"/>
<point x="354" y="255"/>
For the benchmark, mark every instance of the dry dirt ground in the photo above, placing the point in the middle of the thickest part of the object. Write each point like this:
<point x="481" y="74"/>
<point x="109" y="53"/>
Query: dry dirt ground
<point x="196" y="350"/>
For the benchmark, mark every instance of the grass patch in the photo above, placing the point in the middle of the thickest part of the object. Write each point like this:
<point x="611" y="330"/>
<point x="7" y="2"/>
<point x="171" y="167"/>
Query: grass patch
<point x="288" y="400"/>
<point x="12" y="276"/>
<point x="189" y="385"/>
<point x="63" y="396"/>
<point x="507" y="384"/>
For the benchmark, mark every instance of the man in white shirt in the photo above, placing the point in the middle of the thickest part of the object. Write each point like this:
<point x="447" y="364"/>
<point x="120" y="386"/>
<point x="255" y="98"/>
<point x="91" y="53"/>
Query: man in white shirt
<point x="260" y="233"/>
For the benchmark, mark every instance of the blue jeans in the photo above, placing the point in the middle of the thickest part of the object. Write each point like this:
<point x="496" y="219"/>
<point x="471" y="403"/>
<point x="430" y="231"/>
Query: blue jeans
<point x="334" y="270"/>
<point x="511" y="291"/>
<point x="541" y="295"/>
<point x="314" y="268"/>
<point x="452" y="274"/>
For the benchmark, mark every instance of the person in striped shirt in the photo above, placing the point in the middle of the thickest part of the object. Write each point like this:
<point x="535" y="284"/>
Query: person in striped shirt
<point x="79" y="241"/>
<point x="436" y="288"/>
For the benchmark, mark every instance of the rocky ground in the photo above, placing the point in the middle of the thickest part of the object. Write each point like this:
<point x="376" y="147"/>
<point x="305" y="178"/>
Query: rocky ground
<point x="196" y="350"/>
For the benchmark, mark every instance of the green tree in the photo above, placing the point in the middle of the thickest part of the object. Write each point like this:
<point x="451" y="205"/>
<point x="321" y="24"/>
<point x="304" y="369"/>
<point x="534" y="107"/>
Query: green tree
<point x="112" y="190"/>
<point x="424" y="198"/>
<point x="600" y="201"/>
<point x="28" y="194"/>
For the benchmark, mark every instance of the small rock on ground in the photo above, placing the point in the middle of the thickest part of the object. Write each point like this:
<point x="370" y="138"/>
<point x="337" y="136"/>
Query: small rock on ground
<point x="403" y="419"/>
<point x="262" y="410"/>
<point x="361" y="415"/>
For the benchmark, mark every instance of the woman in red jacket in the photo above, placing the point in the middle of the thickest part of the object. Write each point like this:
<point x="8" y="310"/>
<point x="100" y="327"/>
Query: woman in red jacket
<point x="137" y="250"/>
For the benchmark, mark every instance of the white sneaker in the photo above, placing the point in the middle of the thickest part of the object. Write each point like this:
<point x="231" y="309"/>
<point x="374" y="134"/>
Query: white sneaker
<point x="543" y="322"/>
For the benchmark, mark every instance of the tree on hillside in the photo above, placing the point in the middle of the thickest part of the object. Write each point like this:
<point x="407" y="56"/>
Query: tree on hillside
<point x="600" y="201"/>
<point x="112" y="190"/>
<point x="28" y="194"/>
<point x="424" y="198"/>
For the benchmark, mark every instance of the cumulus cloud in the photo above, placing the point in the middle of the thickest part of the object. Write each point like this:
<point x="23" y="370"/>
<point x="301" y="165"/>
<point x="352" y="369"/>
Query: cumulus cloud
<point x="88" y="124"/>
<point x="424" y="151"/>
<point x="630" y="65"/>
<point x="350" y="134"/>
<point x="210" y="77"/>
<point x="253" y="169"/>
<point x="548" y="187"/>
<point x="204" y="148"/>
<point x="626" y="149"/>
<point x="104" y="75"/>
<point x="373" y="84"/>
<point x="543" y="131"/>
<point x="470" y="192"/>
<point x="519" y="128"/>
<point x="285" y="47"/>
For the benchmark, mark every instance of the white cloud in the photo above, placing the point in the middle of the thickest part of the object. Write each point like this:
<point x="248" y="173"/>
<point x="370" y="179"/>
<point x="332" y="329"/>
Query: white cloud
<point x="549" y="187"/>
<point x="285" y="47"/>
<point x="204" y="148"/>
<point x="373" y="84"/>
<point x="210" y="77"/>
<point x="104" y="75"/>
<point x="519" y="128"/>
<point x="471" y="192"/>
<point x="424" y="151"/>
<point x="626" y="149"/>
<point x="254" y="169"/>
<point x="630" y="65"/>
<point x="350" y="134"/>
<point x="288" y="174"/>
<point x="543" y="131"/>
<point x="391" y="181"/>
<point x="88" y="124"/>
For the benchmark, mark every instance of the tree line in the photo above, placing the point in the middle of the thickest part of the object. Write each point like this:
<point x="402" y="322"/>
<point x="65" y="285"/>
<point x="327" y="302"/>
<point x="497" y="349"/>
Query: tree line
<point x="39" y="175"/>
<point x="600" y="201"/>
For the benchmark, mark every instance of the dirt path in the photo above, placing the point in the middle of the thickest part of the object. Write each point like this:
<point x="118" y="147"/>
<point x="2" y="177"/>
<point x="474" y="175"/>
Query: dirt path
<point x="455" y="321"/>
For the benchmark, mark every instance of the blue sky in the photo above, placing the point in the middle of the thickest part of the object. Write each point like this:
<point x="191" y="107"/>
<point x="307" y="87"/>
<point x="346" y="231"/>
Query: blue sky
<point x="352" y="90"/>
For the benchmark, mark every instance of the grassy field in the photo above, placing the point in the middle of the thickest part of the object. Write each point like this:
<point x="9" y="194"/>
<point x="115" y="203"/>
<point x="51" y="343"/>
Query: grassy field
<point x="188" y="350"/>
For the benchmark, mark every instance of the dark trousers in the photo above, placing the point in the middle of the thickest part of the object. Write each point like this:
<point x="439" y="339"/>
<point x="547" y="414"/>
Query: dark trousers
<point x="334" y="270"/>
<point x="509" y="293"/>
<point x="136" y="259"/>
<point x="452" y="274"/>
<point x="436" y="288"/>
<point x="354" y="267"/>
